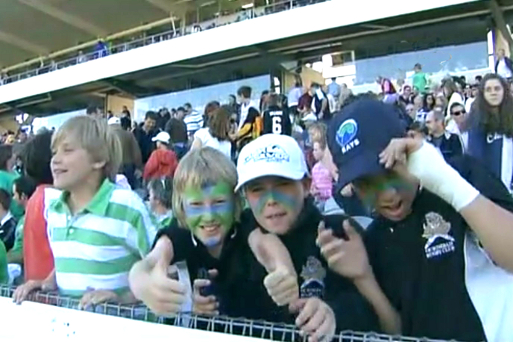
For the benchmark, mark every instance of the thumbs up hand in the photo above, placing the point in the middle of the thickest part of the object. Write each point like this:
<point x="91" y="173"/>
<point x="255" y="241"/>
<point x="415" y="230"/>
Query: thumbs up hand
<point x="149" y="280"/>
<point x="348" y="257"/>
<point x="281" y="282"/>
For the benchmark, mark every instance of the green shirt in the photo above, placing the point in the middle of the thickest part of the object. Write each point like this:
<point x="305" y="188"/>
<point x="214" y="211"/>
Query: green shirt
<point x="4" y="273"/>
<point x="420" y="81"/>
<point x="18" y="238"/>
<point x="96" y="247"/>
<point x="6" y="182"/>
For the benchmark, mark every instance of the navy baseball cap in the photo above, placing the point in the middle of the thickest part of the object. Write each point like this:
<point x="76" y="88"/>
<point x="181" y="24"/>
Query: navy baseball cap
<point x="358" y="134"/>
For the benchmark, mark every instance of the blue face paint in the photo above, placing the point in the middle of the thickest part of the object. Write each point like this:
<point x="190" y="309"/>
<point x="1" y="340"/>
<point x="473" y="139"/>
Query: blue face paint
<point x="289" y="203"/>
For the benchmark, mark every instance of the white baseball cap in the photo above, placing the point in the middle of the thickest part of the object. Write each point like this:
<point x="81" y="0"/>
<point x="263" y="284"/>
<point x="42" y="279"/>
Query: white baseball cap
<point x="114" y="121"/>
<point x="271" y="155"/>
<point x="162" y="137"/>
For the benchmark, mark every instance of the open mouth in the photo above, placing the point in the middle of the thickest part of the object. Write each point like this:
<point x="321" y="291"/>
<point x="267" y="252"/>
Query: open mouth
<point x="393" y="209"/>
<point x="275" y="216"/>
<point x="210" y="229"/>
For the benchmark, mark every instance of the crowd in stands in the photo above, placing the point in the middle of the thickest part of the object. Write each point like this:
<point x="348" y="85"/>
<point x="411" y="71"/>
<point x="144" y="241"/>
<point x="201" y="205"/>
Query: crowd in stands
<point x="420" y="178"/>
<point x="105" y="47"/>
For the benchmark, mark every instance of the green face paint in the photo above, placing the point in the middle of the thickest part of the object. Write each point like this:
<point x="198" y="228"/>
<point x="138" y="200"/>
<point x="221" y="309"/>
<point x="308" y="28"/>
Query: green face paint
<point x="370" y="187"/>
<point x="209" y="205"/>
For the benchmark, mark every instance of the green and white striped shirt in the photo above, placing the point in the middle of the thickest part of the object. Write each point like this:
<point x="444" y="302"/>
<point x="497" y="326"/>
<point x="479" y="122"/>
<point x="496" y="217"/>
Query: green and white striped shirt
<point x="96" y="248"/>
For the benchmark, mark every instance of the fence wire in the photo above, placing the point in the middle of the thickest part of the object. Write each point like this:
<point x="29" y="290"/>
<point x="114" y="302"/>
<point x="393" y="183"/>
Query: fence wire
<point x="221" y="324"/>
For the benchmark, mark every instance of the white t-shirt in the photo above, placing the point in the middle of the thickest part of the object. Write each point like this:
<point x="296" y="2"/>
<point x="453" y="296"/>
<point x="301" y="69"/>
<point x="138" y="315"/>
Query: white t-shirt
<point x="244" y="110"/>
<point x="207" y="139"/>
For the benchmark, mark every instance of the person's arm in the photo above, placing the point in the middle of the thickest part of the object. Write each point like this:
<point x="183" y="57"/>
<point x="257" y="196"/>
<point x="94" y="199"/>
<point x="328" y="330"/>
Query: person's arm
<point x="492" y="224"/>
<point x="349" y="259"/>
<point x="136" y="153"/>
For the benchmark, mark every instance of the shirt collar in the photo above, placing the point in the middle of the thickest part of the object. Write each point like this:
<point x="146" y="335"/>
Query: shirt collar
<point x="6" y="218"/>
<point x="98" y="204"/>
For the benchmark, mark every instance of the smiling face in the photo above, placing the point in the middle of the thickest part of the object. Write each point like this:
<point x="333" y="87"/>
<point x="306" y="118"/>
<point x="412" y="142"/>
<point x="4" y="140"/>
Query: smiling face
<point x="390" y="195"/>
<point x="209" y="212"/>
<point x="72" y="166"/>
<point x="276" y="202"/>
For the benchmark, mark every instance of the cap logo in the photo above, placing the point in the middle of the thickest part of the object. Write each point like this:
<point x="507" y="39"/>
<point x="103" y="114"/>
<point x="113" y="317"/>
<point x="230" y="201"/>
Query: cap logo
<point x="270" y="153"/>
<point x="346" y="135"/>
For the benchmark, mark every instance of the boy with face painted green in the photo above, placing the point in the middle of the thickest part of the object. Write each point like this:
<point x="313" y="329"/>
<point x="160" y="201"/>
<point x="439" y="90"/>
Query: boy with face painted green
<point x="206" y="235"/>
<point x="274" y="179"/>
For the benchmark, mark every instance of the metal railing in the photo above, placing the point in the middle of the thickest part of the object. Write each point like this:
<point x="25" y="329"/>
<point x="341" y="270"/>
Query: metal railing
<point x="49" y="65"/>
<point x="227" y="325"/>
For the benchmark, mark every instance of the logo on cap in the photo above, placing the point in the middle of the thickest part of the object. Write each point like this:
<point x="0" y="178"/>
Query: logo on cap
<point x="271" y="153"/>
<point x="346" y="135"/>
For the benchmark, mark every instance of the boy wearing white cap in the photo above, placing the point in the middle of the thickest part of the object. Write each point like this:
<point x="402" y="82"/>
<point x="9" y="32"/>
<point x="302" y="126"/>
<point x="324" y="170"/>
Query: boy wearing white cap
<point x="162" y="161"/>
<point x="274" y="178"/>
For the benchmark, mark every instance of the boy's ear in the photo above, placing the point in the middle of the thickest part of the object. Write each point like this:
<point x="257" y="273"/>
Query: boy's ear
<point x="99" y="165"/>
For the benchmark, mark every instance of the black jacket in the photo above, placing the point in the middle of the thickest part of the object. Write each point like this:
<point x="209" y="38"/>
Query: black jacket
<point x="450" y="145"/>
<point x="423" y="275"/>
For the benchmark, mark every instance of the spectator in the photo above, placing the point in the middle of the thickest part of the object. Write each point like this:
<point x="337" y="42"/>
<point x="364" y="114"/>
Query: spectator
<point x="81" y="58"/>
<point x="210" y="108"/>
<point x="250" y="130"/>
<point x="217" y="134"/>
<point x="86" y="157"/>
<point x="244" y="97"/>
<point x="503" y="65"/>
<point x="419" y="78"/>
<point x="275" y="119"/>
<point x="293" y="97"/>
<point x="95" y="111"/>
<point x="37" y="255"/>
<point x="441" y="231"/>
<point x="459" y="123"/>
<point x="7" y="221"/>
<point x="451" y="94"/>
<point x="447" y="143"/>
<point x="125" y="112"/>
<point x="162" y="118"/>
<point x="334" y="88"/>
<point x="145" y="134"/>
<point x="304" y="106"/>
<point x="428" y="103"/>
<point x="131" y="153"/>
<point x="233" y="107"/>
<point x="491" y="128"/>
<point x="406" y="96"/>
<point x="470" y="100"/>
<point x="160" y="193"/>
<point x="177" y="130"/>
<point x="7" y="177"/>
<point x="163" y="161"/>
<point x="322" y="180"/>
<point x="4" y="271"/>
<point x="320" y="105"/>
<point x="264" y="101"/>
<point x="418" y="130"/>
<point x="23" y="188"/>
<point x="387" y="89"/>
<point x="345" y="93"/>
<point x="193" y="120"/>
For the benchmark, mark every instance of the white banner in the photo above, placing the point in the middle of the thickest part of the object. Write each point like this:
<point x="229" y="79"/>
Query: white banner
<point x="39" y="322"/>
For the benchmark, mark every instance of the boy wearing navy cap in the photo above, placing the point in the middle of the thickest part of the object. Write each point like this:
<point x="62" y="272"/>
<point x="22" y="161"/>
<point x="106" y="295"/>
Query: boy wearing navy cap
<point x="441" y="248"/>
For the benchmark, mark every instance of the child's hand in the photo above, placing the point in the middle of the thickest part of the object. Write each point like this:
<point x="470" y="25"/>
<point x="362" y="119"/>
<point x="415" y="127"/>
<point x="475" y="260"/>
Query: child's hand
<point x="203" y="305"/>
<point x="93" y="297"/>
<point x="315" y="319"/>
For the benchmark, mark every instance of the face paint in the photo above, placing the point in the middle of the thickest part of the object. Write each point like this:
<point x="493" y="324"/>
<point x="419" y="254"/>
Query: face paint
<point x="288" y="202"/>
<point x="370" y="188"/>
<point x="212" y="204"/>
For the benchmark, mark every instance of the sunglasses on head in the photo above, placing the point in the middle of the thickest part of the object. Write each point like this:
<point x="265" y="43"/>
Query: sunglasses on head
<point x="458" y="113"/>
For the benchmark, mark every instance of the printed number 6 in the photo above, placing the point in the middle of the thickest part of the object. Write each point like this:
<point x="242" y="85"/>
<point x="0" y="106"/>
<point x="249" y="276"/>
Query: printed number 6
<point x="276" y="124"/>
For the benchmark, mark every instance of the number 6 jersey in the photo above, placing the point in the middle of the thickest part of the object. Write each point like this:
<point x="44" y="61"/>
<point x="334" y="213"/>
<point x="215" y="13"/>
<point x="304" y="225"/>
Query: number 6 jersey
<point x="277" y="121"/>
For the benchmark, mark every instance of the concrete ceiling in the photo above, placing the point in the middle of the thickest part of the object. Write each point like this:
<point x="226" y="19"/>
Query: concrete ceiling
<point x="33" y="28"/>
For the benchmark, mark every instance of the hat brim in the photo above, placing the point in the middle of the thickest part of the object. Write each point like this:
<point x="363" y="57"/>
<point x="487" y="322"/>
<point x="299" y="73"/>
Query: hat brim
<point x="270" y="172"/>
<point x="364" y="164"/>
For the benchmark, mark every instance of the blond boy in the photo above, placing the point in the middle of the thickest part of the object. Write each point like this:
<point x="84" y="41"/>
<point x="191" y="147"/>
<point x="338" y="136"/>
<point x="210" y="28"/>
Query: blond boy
<point x="96" y="230"/>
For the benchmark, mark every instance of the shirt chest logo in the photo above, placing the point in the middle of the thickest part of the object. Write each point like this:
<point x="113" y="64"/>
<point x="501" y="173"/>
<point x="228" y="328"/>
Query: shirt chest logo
<point x="313" y="274"/>
<point x="436" y="233"/>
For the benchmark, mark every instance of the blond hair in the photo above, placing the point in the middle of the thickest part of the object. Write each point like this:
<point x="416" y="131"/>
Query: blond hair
<point x="317" y="133"/>
<point x="97" y="138"/>
<point x="198" y="168"/>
